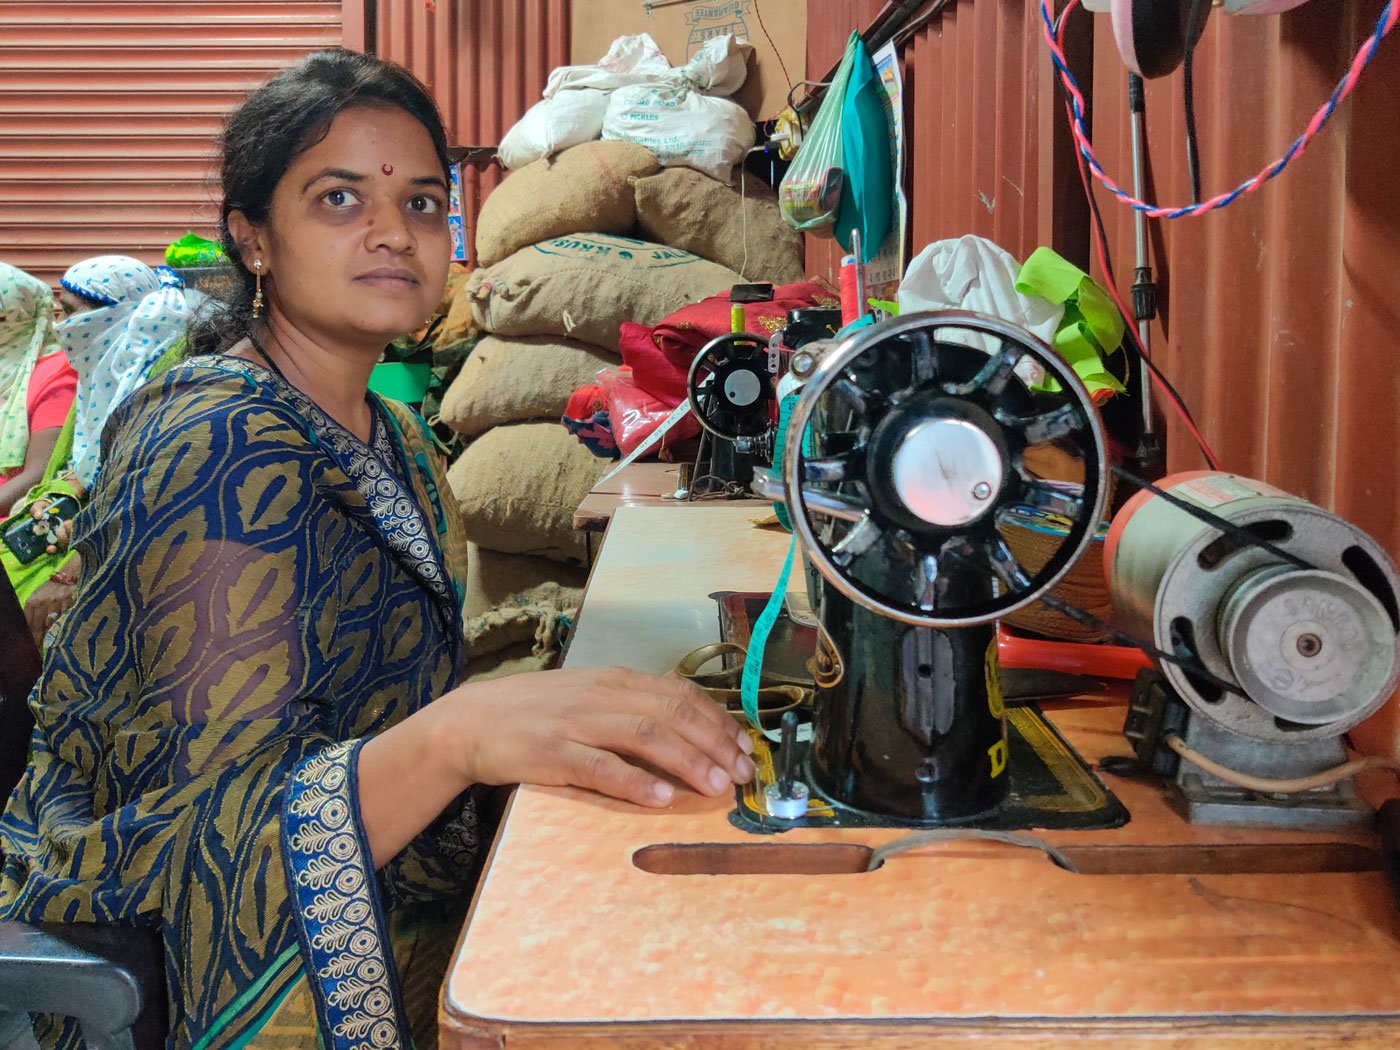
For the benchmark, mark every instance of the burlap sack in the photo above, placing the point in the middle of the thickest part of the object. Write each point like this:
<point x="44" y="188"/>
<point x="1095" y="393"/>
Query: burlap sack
<point x="513" y="641"/>
<point x="744" y="232"/>
<point x="587" y="187"/>
<point x="586" y="285"/>
<point x="518" y="486"/>
<point x="458" y="324"/>
<point x="501" y="581"/>
<point x="507" y="380"/>
<point x="513" y="660"/>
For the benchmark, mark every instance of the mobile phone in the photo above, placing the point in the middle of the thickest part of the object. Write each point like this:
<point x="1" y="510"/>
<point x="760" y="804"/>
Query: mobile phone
<point x="751" y="293"/>
<point x="25" y="543"/>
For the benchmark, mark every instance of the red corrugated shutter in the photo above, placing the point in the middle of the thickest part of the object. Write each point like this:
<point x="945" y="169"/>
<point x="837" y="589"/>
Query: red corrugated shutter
<point x="485" y="61"/>
<point x="109" y="112"/>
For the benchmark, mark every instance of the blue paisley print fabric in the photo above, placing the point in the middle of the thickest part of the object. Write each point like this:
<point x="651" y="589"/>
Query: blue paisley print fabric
<point x="261" y="593"/>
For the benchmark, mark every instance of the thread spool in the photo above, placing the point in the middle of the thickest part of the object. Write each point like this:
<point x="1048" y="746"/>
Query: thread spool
<point x="850" y="292"/>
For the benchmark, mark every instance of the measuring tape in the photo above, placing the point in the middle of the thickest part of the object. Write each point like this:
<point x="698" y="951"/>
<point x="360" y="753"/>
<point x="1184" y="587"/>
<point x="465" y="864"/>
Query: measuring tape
<point x="677" y="414"/>
<point x="763" y="626"/>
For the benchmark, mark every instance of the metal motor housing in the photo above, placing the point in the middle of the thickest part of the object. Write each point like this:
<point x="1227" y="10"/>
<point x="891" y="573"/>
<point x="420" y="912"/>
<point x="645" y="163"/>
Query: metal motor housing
<point x="1309" y="632"/>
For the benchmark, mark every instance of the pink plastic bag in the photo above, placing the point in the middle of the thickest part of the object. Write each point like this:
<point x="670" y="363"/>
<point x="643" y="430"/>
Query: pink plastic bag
<point x="635" y="414"/>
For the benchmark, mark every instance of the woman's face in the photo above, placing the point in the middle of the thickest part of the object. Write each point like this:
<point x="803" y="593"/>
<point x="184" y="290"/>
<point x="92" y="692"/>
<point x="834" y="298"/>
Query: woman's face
<point x="73" y="305"/>
<point x="356" y="246"/>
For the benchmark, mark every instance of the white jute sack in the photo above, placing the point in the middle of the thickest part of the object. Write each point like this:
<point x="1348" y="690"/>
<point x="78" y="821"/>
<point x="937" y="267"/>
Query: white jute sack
<point x="587" y="187"/>
<point x="584" y="286"/>
<point x="681" y="127"/>
<point x="719" y="67"/>
<point x="743" y="231"/>
<point x="630" y="60"/>
<point x="555" y="124"/>
<point x="518" y="486"/>
<point x="506" y="380"/>
<point x="499" y="581"/>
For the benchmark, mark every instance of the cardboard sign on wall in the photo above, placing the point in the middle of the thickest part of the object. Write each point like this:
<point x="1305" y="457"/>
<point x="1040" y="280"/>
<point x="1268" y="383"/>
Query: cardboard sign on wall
<point x="681" y="27"/>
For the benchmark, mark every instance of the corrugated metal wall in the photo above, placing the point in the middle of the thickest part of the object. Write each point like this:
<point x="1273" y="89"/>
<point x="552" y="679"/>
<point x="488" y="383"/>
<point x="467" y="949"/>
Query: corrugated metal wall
<point x="1281" y="313"/>
<point x="1281" y="316"/>
<point x="486" y="62"/>
<point x="974" y="113"/>
<point x="109" y="113"/>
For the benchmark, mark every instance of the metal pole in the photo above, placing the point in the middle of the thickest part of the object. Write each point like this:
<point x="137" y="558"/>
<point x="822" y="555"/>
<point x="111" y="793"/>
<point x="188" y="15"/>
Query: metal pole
<point x="1144" y="297"/>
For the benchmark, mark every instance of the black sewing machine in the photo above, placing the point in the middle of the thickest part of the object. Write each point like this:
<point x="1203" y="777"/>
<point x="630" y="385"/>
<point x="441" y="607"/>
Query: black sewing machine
<point x="904" y="456"/>
<point x="732" y="386"/>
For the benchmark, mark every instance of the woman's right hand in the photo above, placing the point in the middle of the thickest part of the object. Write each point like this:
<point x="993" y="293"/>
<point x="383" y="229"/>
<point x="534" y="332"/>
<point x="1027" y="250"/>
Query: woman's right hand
<point x="597" y="729"/>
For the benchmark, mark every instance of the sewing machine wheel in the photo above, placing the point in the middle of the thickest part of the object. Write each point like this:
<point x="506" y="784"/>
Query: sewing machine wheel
<point x="731" y="388"/>
<point x="921" y="438"/>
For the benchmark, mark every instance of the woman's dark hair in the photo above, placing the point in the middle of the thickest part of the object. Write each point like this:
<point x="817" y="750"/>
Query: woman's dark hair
<point x="277" y="124"/>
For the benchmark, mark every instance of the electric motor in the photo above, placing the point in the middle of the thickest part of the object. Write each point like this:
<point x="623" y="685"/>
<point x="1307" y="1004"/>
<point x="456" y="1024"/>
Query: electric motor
<point x="1293" y="608"/>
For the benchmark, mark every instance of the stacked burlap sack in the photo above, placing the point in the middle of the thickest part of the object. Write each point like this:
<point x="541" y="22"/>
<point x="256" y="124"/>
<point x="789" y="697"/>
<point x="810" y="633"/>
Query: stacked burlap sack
<point x="561" y="268"/>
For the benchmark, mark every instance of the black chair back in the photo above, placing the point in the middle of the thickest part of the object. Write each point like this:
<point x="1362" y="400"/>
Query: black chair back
<point x="19" y="670"/>
<point x="110" y="977"/>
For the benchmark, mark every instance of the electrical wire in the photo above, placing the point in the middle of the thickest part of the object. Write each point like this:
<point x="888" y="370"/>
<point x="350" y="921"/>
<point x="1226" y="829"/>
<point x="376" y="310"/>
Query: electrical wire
<point x="1272" y="786"/>
<point x="804" y="83"/>
<point x="758" y="11"/>
<point x="919" y="23"/>
<point x="1163" y="385"/>
<point x="1188" y="112"/>
<point x="1389" y="16"/>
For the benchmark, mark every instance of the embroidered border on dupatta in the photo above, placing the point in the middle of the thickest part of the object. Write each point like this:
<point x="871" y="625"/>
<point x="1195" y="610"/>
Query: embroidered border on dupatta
<point x="401" y="521"/>
<point x="339" y="921"/>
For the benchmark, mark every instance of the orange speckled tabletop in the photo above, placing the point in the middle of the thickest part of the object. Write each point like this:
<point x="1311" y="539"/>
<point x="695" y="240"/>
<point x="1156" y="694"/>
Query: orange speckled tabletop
<point x="566" y="931"/>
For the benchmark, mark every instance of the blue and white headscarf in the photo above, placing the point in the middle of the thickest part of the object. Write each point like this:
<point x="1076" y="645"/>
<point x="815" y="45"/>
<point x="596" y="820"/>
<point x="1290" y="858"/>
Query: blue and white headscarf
<point x="112" y="348"/>
<point x="26" y="335"/>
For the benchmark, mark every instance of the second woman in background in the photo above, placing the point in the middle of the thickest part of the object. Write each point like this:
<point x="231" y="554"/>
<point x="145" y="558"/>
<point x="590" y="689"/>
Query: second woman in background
<point x="125" y="322"/>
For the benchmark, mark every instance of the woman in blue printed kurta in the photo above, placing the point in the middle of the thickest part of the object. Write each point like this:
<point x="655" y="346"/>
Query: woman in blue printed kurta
<point x="249" y="729"/>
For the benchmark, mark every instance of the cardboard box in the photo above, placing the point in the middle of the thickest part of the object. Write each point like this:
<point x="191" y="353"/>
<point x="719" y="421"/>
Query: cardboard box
<point x="681" y="27"/>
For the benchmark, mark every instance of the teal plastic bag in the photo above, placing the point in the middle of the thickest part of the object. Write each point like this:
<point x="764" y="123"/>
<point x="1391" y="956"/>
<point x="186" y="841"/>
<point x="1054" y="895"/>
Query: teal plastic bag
<point x="812" y="190"/>
<point x="867" y="197"/>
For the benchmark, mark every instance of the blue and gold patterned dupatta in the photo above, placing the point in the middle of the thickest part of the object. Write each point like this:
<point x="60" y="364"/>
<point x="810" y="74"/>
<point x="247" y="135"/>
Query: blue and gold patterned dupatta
<point x="262" y="592"/>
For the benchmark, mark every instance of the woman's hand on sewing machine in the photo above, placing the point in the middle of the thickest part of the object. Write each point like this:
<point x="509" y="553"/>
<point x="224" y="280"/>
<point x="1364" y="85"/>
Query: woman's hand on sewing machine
<point x="599" y="729"/>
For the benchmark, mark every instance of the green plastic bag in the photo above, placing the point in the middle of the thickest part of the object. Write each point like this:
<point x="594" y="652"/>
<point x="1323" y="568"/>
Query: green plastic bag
<point x="194" y="252"/>
<point x="811" y="191"/>
<point x="1092" y="328"/>
<point x="867" y="196"/>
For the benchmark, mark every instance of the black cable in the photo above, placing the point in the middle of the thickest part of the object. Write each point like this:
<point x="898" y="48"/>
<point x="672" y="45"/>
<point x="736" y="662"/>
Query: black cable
<point x="1215" y="521"/>
<point x="265" y="356"/>
<point x="1188" y="99"/>
<point x="1191" y="665"/>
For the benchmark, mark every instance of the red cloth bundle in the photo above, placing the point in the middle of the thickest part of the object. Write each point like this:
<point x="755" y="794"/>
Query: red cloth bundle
<point x="661" y="368"/>
<point x="659" y="360"/>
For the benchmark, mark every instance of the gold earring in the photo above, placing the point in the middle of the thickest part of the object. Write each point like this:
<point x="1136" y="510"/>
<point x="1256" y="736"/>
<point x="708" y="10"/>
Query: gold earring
<point x="257" y="291"/>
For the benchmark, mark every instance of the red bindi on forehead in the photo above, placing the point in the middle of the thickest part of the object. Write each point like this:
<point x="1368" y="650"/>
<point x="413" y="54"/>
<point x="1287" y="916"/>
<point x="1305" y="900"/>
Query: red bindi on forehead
<point x="387" y="169"/>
